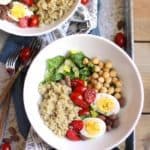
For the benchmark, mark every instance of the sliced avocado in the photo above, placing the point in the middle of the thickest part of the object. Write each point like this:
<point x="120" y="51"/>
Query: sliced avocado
<point x="67" y="67"/>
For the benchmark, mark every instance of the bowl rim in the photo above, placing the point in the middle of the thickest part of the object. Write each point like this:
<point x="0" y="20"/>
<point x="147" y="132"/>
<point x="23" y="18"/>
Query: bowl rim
<point x="134" y="67"/>
<point x="56" y="25"/>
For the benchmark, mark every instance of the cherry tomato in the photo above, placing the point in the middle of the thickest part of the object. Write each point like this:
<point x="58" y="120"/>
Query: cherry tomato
<point x="33" y="21"/>
<point x="25" y="54"/>
<point x="78" y="100"/>
<point x="120" y="39"/>
<point x="28" y="2"/>
<point x="89" y="95"/>
<point x="84" y="111"/>
<point x="80" y="89"/>
<point x="77" y="82"/>
<point x="6" y="146"/>
<point x="72" y="135"/>
<point x="76" y="96"/>
<point x="77" y="125"/>
<point x="84" y="2"/>
<point x="23" y="22"/>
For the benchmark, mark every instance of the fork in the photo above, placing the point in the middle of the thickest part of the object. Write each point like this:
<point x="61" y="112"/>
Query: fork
<point x="11" y="67"/>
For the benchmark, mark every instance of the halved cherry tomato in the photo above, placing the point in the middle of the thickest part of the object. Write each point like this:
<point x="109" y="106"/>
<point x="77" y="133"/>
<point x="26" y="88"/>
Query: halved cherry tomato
<point x="76" y="96"/>
<point x="23" y="22"/>
<point x="33" y="21"/>
<point x="89" y="95"/>
<point x="77" y="82"/>
<point x="84" y="111"/>
<point x="78" y="100"/>
<point x="25" y="54"/>
<point x="80" y="89"/>
<point x="6" y="146"/>
<point x="72" y="135"/>
<point x="77" y="125"/>
<point x="84" y="2"/>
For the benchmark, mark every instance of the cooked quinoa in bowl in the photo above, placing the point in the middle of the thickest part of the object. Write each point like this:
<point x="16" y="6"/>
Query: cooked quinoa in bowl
<point x="97" y="88"/>
<point x="35" y="13"/>
<point x="56" y="108"/>
<point x="51" y="10"/>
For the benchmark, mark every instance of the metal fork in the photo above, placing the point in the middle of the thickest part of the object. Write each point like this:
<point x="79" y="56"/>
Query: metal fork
<point x="35" y="46"/>
<point x="11" y="66"/>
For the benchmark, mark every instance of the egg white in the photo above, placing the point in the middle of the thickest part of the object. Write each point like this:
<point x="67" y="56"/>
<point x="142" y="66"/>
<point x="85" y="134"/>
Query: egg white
<point x="27" y="11"/>
<point x="5" y="2"/>
<point x="100" y="123"/>
<point x="100" y="96"/>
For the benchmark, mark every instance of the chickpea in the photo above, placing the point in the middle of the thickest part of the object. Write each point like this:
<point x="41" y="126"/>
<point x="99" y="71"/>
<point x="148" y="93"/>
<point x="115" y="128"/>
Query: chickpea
<point x="106" y="69"/>
<point x="108" y="80"/>
<point x="95" y="75"/>
<point x="101" y="73"/>
<point x="117" y="95"/>
<point x="97" y="68"/>
<point x="105" y="75"/>
<point x="85" y="83"/>
<point x="101" y="79"/>
<point x="101" y="64"/>
<point x="113" y="73"/>
<point x="103" y="90"/>
<point x="98" y="86"/>
<point x="108" y="64"/>
<point x="114" y="79"/>
<point x="118" y="84"/>
<point x="118" y="89"/>
<point x="93" y="81"/>
<point x="111" y="90"/>
<point x="85" y="61"/>
<point x="107" y="85"/>
<point x="95" y="61"/>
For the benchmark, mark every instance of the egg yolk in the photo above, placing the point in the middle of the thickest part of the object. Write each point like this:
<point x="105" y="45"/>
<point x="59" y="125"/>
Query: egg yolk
<point x="18" y="11"/>
<point x="92" y="128"/>
<point x="105" y="105"/>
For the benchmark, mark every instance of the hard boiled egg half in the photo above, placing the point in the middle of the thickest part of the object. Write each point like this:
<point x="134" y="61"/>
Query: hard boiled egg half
<point x="106" y="104"/>
<point x="93" y="127"/>
<point x="5" y="2"/>
<point x="18" y="11"/>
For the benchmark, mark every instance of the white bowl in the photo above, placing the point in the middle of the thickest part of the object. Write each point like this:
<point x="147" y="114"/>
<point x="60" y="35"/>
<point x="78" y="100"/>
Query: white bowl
<point x="36" y="31"/>
<point x="92" y="46"/>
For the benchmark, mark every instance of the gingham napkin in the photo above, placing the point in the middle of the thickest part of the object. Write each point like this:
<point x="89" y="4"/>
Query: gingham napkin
<point x="85" y="14"/>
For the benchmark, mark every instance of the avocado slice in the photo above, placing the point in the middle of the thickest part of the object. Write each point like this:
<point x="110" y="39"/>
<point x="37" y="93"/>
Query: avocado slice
<point x="68" y="68"/>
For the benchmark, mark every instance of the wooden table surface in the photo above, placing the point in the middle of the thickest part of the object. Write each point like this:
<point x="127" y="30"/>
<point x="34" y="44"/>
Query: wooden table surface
<point x="142" y="59"/>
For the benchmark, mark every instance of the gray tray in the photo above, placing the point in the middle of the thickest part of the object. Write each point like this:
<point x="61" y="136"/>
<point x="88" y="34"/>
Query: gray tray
<point x="110" y="13"/>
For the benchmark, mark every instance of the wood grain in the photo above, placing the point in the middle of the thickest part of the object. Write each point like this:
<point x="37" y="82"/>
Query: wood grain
<point x="142" y="20"/>
<point x="3" y="115"/>
<point x="142" y="59"/>
<point x="143" y="133"/>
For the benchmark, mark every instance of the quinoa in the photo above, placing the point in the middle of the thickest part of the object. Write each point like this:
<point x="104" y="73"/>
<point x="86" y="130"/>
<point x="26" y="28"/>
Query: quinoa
<point x="56" y="108"/>
<point x="51" y="10"/>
